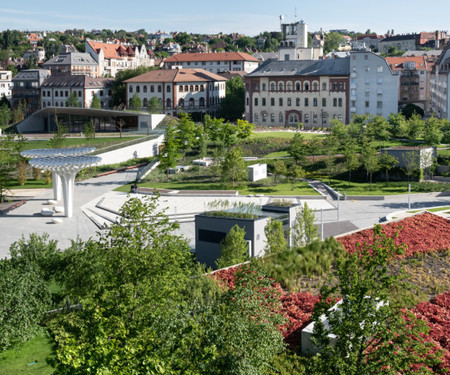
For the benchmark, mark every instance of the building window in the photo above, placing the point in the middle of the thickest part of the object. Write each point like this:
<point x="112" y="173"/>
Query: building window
<point x="306" y="102"/>
<point x="306" y="118"/>
<point x="280" y="102"/>
<point x="66" y="93"/>
<point x="255" y="117"/>
<point x="56" y="93"/>
<point x="380" y="80"/>
<point x="315" y="86"/>
<point x="379" y="104"/>
<point x="324" y="86"/>
<point x="145" y="88"/>
<point x="130" y="89"/>
<point x="247" y="100"/>
<point x="202" y="102"/>
<point x="272" y="86"/>
<point x="353" y="104"/>
<point x="152" y="88"/>
<point x="315" y="102"/>
<point x="256" y="102"/>
<point x="79" y="94"/>
<point x="280" y="118"/>
<point x="181" y="88"/>
<point x="306" y="86"/>
<point x="272" y="118"/>
<point x="191" y="102"/>
<point x="202" y="88"/>
<point x="289" y="86"/>
<point x="334" y="102"/>
<point x="138" y="88"/>
<point x="289" y="102"/>
<point x="168" y="103"/>
<point x="379" y="69"/>
<point x="340" y="102"/>
<point x="280" y="86"/>
<point x="272" y="101"/>
<point x="367" y="68"/>
<point x="168" y="88"/>
<point x="264" y="87"/>
<point x="263" y="102"/>
<point x="181" y="103"/>
<point x="196" y="88"/>
<point x="264" y="116"/>
<point x="297" y="86"/>
<point x="145" y="102"/>
<point x="256" y="87"/>
<point x="297" y="102"/>
<point x="367" y="104"/>
<point x="324" y="102"/>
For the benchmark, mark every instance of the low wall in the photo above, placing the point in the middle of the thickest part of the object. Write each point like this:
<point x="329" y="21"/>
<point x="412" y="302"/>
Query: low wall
<point x="140" y="150"/>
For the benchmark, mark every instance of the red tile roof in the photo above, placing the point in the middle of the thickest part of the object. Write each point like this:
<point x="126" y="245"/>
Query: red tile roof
<point x="177" y="75"/>
<point x="111" y="50"/>
<point x="213" y="56"/>
<point x="396" y="63"/>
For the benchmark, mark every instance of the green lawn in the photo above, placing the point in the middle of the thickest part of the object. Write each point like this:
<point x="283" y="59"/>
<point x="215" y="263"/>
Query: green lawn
<point x="98" y="142"/>
<point x="378" y="188"/>
<point x="277" y="154"/>
<point x="29" y="358"/>
<point x="284" y="135"/>
<point x="301" y="188"/>
<point x="437" y="209"/>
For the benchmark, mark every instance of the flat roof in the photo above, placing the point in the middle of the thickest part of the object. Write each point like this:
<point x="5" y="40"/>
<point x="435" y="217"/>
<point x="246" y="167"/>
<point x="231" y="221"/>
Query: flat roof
<point x="87" y="112"/>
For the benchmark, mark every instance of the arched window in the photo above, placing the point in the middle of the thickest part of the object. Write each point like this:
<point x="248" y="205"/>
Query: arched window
<point x="315" y="86"/>
<point x="145" y="88"/>
<point x="202" y="88"/>
<point x="202" y="102"/>
<point x="130" y="89"/>
<point x="298" y="86"/>
<point x="196" y="87"/>
<point x="264" y="116"/>
<point x="186" y="88"/>
<point x="159" y="88"/>
<point x="264" y="87"/>
<point x="324" y="86"/>
<point x="272" y="86"/>
<point x="145" y="102"/>
<point x="272" y="118"/>
<point x="181" y="88"/>
<point x="168" y="103"/>
<point x="280" y="86"/>
<point x="181" y="103"/>
<point x="191" y="102"/>
<point x="289" y="86"/>
<point x="191" y="88"/>
<point x="306" y="86"/>
<point x="168" y="88"/>
<point x="138" y="88"/>
<point x="152" y="88"/>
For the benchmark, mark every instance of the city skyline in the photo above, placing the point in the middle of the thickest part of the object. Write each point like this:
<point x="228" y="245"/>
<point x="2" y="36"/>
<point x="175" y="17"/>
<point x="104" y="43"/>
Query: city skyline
<point x="249" y="18"/>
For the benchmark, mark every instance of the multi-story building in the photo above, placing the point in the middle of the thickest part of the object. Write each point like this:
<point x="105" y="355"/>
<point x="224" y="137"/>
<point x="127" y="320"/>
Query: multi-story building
<point x="26" y="88"/>
<point x="407" y="42"/>
<point x="5" y="84"/>
<point x="215" y="62"/>
<point x="187" y="90"/>
<point x="73" y="63"/>
<point x="414" y="85"/>
<point x="112" y="58"/>
<point x="294" y="43"/>
<point x="284" y="93"/>
<point x="373" y="85"/>
<point x="56" y="90"/>
<point x="439" y="82"/>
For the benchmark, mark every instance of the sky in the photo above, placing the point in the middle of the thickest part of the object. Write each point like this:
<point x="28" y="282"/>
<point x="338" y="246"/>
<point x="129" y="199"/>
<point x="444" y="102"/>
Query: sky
<point x="249" y="17"/>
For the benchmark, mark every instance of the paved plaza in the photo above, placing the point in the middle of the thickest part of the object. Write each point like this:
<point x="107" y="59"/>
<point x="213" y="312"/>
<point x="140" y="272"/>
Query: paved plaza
<point x="97" y="193"/>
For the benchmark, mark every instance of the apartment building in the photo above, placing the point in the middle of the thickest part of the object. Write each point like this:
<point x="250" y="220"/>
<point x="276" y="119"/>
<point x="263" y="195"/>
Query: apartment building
<point x="439" y="84"/>
<point x="6" y="84"/>
<point x="187" y="90"/>
<point x="26" y="88"/>
<point x="73" y="63"/>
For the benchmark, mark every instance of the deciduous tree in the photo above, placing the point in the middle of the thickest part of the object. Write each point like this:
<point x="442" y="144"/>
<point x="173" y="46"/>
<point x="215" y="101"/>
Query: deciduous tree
<point x="234" y="248"/>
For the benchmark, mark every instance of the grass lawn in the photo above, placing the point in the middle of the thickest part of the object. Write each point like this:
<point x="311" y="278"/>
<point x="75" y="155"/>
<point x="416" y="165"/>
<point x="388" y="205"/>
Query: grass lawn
<point x="29" y="358"/>
<point x="284" y="135"/>
<point x="98" y="142"/>
<point x="277" y="154"/>
<point x="378" y="188"/>
<point x="30" y="184"/>
<point x="301" y="188"/>
<point x="444" y="152"/>
<point x="437" y="209"/>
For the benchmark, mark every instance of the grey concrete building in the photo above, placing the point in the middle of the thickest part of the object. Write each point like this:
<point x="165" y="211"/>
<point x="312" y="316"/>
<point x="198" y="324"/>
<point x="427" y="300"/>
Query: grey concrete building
<point x="439" y="83"/>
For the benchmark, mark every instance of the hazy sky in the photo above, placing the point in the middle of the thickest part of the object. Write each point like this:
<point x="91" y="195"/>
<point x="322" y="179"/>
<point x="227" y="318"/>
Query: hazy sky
<point x="248" y="17"/>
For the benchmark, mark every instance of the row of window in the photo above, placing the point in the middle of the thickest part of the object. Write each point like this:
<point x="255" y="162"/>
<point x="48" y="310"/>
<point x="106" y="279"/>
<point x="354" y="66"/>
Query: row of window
<point x="293" y="118"/>
<point x="190" y="88"/>
<point x="61" y="93"/>
<point x="145" y="88"/>
<point x="181" y="102"/>
<point x="337" y="102"/>
<point x="307" y="86"/>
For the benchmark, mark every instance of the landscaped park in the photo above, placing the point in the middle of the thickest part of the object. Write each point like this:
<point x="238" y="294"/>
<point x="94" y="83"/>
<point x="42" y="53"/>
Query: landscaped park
<point x="134" y="300"/>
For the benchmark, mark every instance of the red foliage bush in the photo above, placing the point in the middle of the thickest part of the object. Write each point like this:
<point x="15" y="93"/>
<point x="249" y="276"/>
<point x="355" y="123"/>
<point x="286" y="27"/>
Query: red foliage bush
<point x="420" y="233"/>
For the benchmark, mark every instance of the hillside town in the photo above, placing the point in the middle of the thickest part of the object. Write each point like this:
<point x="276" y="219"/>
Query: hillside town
<point x="184" y="203"/>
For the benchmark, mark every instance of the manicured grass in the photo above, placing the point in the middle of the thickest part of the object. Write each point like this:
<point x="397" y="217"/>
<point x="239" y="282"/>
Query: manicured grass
<point x="301" y="188"/>
<point x="444" y="152"/>
<point x="278" y="154"/>
<point x="437" y="209"/>
<point x="20" y="360"/>
<point x="378" y="188"/>
<point x="98" y="142"/>
<point x="284" y="135"/>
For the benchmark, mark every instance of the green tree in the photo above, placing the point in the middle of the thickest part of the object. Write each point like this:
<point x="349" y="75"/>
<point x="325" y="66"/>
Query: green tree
<point x="119" y="89"/>
<point x="330" y="146"/>
<point x="411" y="163"/>
<point x="370" y="161"/>
<point x="414" y="126"/>
<point x="332" y="42"/>
<point x="135" y="103"/>
<point x="232" y="106"/>
<point x="7" y="164"/>
<point x="304" y="230"/>
<point x="154" y="105"/>
<point x="186" y="132"/>
<point x="95" y="102"/>
<point x="298" y="148"/>
<point x="275" y="241"/>
<point x="373" y="334"/>
<point x="294" y="173"/>
<point x="170" y="150"/>
<point x="387" y="162"/>
<point x="279" y="170"/>
<point x="433" y="132"/>
<point x="89" y="130"/>
<point x="5" y="116"/>
<point x="20" y="112"/>
<point x="350" y="157"/>
<point x="234" y="248"/>
<point x="378" y="128"/>
<point x="233" y="168"/>
<point x="398" y="124"/>
<point x="72" y="100"/>
<point x="59" y="135"/>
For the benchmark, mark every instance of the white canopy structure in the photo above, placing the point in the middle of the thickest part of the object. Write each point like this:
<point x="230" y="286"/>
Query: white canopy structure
<point x="66" y="167"/>
<point x="52" y="152"/>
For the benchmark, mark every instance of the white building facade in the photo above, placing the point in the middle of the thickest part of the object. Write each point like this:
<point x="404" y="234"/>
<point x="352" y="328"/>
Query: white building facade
<point x="374" y="86"/>
<point x="186" y="90"/>
<point x="6" y="84"/>
<point x="439" y="83"/>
